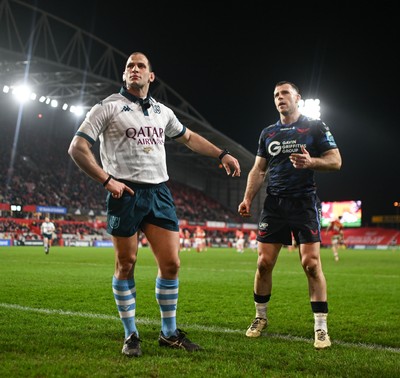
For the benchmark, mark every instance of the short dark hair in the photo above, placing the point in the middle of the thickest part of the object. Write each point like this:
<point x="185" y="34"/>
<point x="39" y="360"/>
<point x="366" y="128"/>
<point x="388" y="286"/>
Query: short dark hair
<point x="294" y="86"/>
<point x="148" y="60"/>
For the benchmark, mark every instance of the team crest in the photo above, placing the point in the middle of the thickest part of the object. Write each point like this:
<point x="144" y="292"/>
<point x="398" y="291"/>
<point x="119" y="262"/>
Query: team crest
<point x="147" y="149"/>
<point x="156" y="108"/>
<point x="114" y="221"/>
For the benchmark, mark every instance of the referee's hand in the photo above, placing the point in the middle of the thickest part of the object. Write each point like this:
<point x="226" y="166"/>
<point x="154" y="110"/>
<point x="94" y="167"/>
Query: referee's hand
<point x="231" y="163"/>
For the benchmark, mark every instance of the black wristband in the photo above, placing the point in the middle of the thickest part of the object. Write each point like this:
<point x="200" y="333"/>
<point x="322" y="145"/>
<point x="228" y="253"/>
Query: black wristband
<point x="107" y="181"/>
<point x="223" y="153"/>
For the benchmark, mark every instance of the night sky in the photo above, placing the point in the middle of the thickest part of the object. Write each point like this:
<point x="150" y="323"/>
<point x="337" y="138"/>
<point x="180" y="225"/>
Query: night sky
<point x="225" y="60"/>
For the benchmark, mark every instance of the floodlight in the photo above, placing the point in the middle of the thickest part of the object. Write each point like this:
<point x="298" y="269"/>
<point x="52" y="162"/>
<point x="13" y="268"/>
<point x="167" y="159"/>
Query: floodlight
<point x="77" y="110"/>
<point x="310" y="108"/>
<point x="21" y="93"/>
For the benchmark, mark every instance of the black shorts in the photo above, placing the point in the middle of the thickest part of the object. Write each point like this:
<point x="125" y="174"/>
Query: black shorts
<point x="282" y="216"/>
<point x="150" y="204"/>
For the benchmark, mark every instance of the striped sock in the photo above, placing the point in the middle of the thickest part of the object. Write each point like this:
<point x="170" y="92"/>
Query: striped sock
<point x="125" y="298"/>
<point x="167" y="298"/>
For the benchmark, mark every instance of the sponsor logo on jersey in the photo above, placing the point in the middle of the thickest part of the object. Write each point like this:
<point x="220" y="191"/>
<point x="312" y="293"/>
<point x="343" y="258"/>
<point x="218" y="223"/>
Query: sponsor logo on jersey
<point x="126" y="108"/>
<point x="274" y="148"/>
<point x="146" y="135"/>
<point x="286" y="147"/>
<point x="330" y="138"/>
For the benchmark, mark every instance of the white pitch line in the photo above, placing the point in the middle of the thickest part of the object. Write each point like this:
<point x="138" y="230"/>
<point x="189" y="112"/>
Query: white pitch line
<point x="197" y="327"/>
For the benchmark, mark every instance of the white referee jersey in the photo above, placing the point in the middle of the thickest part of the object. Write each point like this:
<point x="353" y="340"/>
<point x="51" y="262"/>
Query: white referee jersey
<point x="47" y="227"/>
<point x="132" y="143"/>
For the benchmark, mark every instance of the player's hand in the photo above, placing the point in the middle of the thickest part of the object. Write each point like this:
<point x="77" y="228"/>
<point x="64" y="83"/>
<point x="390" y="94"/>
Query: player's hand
<point x="244" y="210"/>
<point x="117" y="188"/>
<point x="245" y="215"/>
<point x="301" y="161"/>
<point x="231" y="163"/>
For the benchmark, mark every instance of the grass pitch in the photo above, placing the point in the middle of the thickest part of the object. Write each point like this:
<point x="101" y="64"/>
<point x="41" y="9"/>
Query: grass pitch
<point x="58" y="317"/>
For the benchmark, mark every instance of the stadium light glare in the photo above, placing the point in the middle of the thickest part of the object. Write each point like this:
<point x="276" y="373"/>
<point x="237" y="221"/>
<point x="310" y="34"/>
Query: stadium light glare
<point x="21" y="93"/>
<point x="77" y="110"/>
<point x="310" y="108"/>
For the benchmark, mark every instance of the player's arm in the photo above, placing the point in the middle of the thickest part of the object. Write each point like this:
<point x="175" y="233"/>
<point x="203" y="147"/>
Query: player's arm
<point x="330" y="160"/>
<point x="81" y="153"/>
<point x="204" y="147"/>
<point x="328" y="228"/>
<point x="255" y="180"/>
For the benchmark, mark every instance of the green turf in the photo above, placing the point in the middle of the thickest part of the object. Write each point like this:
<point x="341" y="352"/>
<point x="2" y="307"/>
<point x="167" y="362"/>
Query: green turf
<point x="58" y="317"/>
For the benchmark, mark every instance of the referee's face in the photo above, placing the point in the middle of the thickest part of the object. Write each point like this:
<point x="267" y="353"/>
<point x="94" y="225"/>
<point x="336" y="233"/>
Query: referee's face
<point x="137" y="74"/>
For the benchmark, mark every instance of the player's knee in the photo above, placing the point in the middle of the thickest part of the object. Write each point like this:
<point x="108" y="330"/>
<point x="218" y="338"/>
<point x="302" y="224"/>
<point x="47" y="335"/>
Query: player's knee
<point x="124" y="266"/>
<point x="311" y="266"/>
<point x="264" y="265"/>
<point x="170" y="268"/>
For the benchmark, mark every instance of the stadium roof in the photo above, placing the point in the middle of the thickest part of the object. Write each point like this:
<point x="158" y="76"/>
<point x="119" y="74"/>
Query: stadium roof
<point x="63" y="62"/>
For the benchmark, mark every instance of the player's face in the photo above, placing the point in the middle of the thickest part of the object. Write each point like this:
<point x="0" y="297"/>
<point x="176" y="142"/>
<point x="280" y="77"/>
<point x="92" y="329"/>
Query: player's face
<point x="286" y="99"/>
<point x="137" y="73"/>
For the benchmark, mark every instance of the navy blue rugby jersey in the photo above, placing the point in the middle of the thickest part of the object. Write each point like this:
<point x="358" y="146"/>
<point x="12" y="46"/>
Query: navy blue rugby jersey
<point x="278" y="141"/>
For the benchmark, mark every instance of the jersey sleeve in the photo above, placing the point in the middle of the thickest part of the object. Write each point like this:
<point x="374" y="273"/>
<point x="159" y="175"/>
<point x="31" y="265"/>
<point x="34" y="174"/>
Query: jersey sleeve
<point x="262" y="145"/>
<point x="96" y="121"/>
<point x="324" y="137"/>
<point x="174" y="128"/>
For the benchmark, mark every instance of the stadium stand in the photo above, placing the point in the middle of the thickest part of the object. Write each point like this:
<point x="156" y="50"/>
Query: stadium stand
<point x="32" y="176"/>
<point x="34" y="167"/>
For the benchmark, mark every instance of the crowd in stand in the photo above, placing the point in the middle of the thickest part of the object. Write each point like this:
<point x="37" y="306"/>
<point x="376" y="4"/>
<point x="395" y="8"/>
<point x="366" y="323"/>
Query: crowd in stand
<point x="195" y="206"/>
<point x="35" y="169"/>
<point x="24" y="229"/>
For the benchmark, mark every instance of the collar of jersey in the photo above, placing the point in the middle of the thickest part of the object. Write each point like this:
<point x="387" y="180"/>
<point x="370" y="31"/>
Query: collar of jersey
<point x="132" y="97"/>
<point x="301" y="118"/>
